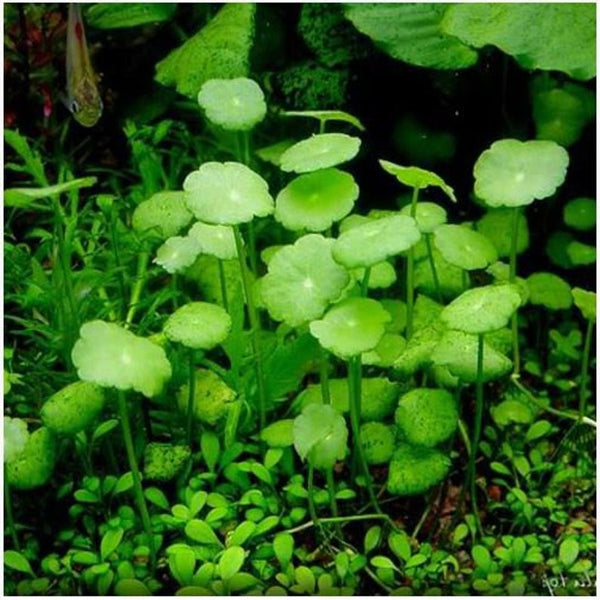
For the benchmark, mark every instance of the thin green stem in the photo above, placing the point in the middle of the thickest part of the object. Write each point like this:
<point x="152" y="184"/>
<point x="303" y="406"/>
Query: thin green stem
<point x="137" y="480"/>
<point x="191" y="397"/>
<point x="138" y="286"/>
<point x="324" y="375"/>
<point x="364" y="284"/>
<point x="348" y="519"/>
<point x="410" y="272"/>
<point x="476" y="430"/>
<point x="512" y="274"/>
<point x="254" y="327"/>
<point x="223" y="283"/>
<point x="434" y="275"/>
<point x="311" y="502"/>
<point x="585" y="363"/>
<point x="354" y="388"/>
<point x="8" y="514"/>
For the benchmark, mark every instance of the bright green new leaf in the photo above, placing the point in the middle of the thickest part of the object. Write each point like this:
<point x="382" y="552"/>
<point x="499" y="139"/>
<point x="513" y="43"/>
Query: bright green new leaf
<point x="463" y="247"/>
<point x="549" y="290"/>
<point x="177" y="253"/>
<point x="482" y="309"/>
<point x="112" y="356"/>
<point x="513" y="173"/>
<point x="316" y="200"/>
<point x="15" y="560"/>
<point x="23" y="197"/>
<point x="371" y="243"/>
<point x="568" y="551"/>
<point x="428" y="215"/>
<point x="416" y="177"/>
<point x="198" y="325"/>
<point x="412" y="33"/>
<point x="234" y="104"/>
<point x="165" y="214"/>
<point x="580" y="213"/>
<point x="320" y="435"/>
<point x="557" y="37"/>
<point x="227" y="194"/>
<point x="220" y="49"/>
<point x="216" y="240"/>
<point x="325" y="115"/>
<point x="131" y="587"/>
<point x="201" y="533"/>
<point x="351" y="327"/>
<point x="302" y="281"/>
<point x="585" y="302"/>
<point x="319" y="151"/>
<point x="279" y="434"/>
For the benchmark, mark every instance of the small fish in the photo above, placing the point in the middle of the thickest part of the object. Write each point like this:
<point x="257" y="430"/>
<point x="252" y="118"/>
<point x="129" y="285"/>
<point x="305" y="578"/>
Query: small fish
<point x="83" y="98"/>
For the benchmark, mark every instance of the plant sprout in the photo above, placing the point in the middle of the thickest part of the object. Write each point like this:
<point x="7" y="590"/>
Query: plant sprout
<point x="417" y="179"/>
<point x="348" y="329"/>
<point x="319" y="151"/>
<point x="316" y="200"/>
<point x="233" y="104"/>
<point x="479" y="311"/>
<point x="514" y="174"/>
<point x="198" y="326"/>
<point x="111" y="356"/>
<point x="323" y="116"/>
<point x="74" y="408"/>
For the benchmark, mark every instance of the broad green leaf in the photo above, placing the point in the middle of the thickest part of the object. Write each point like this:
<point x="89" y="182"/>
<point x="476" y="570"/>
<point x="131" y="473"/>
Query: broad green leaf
<point x="320" y="151"/>
<point x="220" y="49"/>
<point x="463" y="247"/>
<point x="568" y="551"/>
<point x="514" y="173"/>
<point x="415" y="469"/>
<point x="416" y="177"/>
<point x="15" y="438"/>
<point x="33" y="466"/>
<point x="481" y="556"/>
<point x="411" y="33"/>
<point x="157" y="497"/>
<point x="110" y="542"/>
<point x="241" y="534"/>
<point x="580" y="213"/>
<point x="585" y="302"/>
<point x="306" y="579"/>
<point x="231" y="562"/>
<point x="23" y="197"/>
<point x="549" y="290"/>
<point x="558" y="37"/>
<point x="130" y="14"/>
<point x="131" y="587"/>
<point x="399" y="544"/>
<point x="15" y="560"/>
<point x="202" y="533"/>
<point x="279" y="434"/>
<point x="198" y="325"/>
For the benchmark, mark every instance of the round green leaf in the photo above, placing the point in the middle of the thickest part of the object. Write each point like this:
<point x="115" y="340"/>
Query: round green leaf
<point x="131" y="587"/>
<point x="381" y="275"/>
<point x="371" y="243"/>
<point x="231" y="562"/>
<point x="386" y="352"/>
<point x="233" y="104"/>
<point x="482" y="309"/>
<point x="426" y="416"/>
<point x="15" y="438"/>
<point x="378" y="441"/>
<point x="34" y="465"/>
<point x="323" y="116"/>
<point x="511" y="411"/>
<point x="463" y="247"/>
<point x="165" y="214"/>
<point x="212" y="397"/>
<point x="514" y="173"/>
<point x="111" y="356"/>
<point x="279" y="434"/>
<point x="302" y="281"/>
<point x="496" y="225"/>
<point x="428" y="215"/>
<point x="581" y="254"/>
<point x="458" y="352"/>
<point x="320" y="152"/>
<point x="568" y="551"/>
<point x="580" y="213"/>
<point x="227" y="194"/>
<point x="416" y="177"/>
<point x="74" y="408"/>
<point x="316" y="200"/>
<point x="549" y="290"/>
<point x="585" y="302"/>
<point x="217" y="240"/>
<point x="351" y="327"/>
<point x="198" y="325"/>
<point x="177" y="253"/>
<point x="414" y="469"/>
<point x="320" y="435"/>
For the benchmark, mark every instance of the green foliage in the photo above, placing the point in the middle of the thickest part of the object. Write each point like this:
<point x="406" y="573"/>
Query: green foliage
<point x="33" y="466"/>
